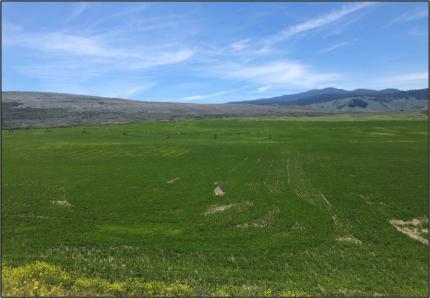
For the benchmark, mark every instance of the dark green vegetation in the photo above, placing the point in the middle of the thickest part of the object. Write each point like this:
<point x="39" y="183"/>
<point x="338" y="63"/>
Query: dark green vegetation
<point x="307" y="204"/>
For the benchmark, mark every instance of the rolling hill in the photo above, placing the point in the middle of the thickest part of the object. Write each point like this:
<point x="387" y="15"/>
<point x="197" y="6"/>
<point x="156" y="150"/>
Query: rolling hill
<point x="42" y="109"/>
<point x="333" y="100"/>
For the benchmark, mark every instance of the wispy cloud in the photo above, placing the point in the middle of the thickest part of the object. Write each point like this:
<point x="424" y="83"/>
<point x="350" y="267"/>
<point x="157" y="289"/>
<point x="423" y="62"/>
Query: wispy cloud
<point x="56" y="72"/>
<point x="161" y="58"/>
<point x="83" y="79"/>
<point x="263" y="88"/>
<point x="210" y="95"/>
<point x="130" y="91"/>
<point x="71" y="60"/>
<point x="96" y="50"/>
<point x="408" y="77"/>
<point x="410" y="80"/>
<point x="409" y="16"/>
<point x="334" y="47"/>
<point x="77" y="10"/>
<point x="121" y="14"/>
<point x="240" y="44"/>
<point x="283" y="72"/>
<point x="63" y="43"/>
<point x="315" y="23"/>
<point x="124" y="50"/>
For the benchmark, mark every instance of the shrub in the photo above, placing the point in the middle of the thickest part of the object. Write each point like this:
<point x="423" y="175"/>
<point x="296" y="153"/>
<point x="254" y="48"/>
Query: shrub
<point x="356" y="102"/>
<point x="43" y="279"/>
<point x="37" y="279"/>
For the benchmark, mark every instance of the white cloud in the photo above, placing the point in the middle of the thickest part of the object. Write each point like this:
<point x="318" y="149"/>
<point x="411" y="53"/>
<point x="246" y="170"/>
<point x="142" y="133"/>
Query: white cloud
<point x="63" y="43"/>
<point x="219" y="93"/>
<point x="334" y="47"/>
<point x="240" y="44"/>
<point x="412" y="80"/>
<point x="75" y="61"/>
<point x="130" y="91"/>
<point x="121" y="14"/>
<point x="161" y="58"/>
<point x="77" y="10"/>
<point x="315" y="23"/>
<point x="60" y="42"/>
<point x="97" y="50"/>
<point x="408" y="16"/>
<point x="67" y="43"/>
<point x="263" y="88"/>
<point x="281" y="73"/>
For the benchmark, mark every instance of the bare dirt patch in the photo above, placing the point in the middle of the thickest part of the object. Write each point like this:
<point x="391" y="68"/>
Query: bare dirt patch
<point x="173" y="180"/>
<point x="415" y="228"/>
<point x="349" y="239"/>
<point x="216" y="209"/>
<point x="218" y="191"/>
<point x="61" y="203"/>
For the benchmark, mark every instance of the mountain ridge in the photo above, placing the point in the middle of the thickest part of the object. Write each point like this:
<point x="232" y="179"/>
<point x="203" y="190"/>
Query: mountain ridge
<point x="328" y="94"/>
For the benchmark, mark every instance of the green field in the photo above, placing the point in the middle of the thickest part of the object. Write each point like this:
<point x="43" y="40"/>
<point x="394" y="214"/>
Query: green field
<point x="129" y="209"/>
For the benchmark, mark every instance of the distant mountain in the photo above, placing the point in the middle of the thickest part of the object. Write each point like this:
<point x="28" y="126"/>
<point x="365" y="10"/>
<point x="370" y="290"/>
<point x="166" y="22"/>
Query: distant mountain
<point x="319" y="96"/>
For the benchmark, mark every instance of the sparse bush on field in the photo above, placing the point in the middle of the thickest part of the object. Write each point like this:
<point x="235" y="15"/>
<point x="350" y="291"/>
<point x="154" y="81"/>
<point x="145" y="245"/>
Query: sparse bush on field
<point x="37" y="279"/>
<point x="43" y="279"/>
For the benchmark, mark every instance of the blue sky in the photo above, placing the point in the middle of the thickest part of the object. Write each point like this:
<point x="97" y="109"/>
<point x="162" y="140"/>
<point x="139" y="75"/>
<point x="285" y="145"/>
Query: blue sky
<point x="212" y="52"/>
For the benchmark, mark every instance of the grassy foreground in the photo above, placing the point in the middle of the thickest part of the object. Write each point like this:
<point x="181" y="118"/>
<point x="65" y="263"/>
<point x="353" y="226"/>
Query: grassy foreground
<point x="323" y="207"/>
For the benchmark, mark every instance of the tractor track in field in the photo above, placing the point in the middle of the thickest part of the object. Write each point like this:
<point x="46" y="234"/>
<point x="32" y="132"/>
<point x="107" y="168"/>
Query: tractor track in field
<point x="305" y="190"/>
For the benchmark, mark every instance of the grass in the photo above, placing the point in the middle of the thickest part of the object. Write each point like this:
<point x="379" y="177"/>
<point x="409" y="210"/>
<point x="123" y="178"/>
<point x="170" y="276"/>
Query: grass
<point x="312" y="204"/>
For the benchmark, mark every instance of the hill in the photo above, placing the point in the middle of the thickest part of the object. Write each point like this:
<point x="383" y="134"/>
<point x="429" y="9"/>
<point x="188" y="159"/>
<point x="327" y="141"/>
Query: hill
<point x="41" y="109"/>
<point x="332" y="100"/>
